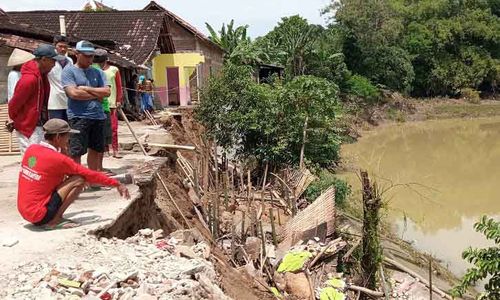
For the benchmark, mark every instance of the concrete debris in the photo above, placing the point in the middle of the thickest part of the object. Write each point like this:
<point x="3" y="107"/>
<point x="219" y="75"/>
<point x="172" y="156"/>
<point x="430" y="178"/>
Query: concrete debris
<point x="187" y="237"/>
<point x="140" y="267"/>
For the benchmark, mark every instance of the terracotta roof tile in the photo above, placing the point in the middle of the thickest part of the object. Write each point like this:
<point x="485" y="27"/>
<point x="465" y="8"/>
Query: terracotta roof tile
<point x="135" y="32"/>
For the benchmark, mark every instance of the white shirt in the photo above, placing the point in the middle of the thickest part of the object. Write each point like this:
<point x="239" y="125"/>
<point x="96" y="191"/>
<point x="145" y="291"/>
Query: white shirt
<point x="57" y="97"/>
<point x="12" y="80"/>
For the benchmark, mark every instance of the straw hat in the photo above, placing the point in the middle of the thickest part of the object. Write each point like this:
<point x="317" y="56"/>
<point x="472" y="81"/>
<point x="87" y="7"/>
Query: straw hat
<point x="19" y="57"/>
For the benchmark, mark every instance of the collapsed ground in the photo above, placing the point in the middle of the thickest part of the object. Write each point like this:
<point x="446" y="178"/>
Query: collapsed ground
<point x="191" y="249"/>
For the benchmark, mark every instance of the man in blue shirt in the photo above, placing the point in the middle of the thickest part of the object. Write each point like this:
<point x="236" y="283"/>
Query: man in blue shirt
<point x="85" y="87"/>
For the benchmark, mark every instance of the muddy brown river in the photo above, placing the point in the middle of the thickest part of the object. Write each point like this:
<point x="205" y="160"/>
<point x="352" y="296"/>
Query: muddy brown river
<point x="445" y="176"/>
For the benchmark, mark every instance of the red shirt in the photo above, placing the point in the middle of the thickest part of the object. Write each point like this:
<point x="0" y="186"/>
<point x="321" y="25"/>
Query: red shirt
<point x="43" y="169"/>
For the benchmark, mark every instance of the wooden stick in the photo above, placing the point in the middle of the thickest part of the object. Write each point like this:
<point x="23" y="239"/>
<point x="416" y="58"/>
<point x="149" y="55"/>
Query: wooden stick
<point x="417" y="276"/>
<point x="217" y="200"/>
<point x="243" y="235"/>
<point x="172" y="199"/>
<point x="369" y="292"/>
<point x="273" y="227"/>
<point x="311" y="285"/>
<point x="349" y="253"/>
<point x="171" y="146"/>
<point x="385" y="288"/>
<point x="132" y="130"/>
<point x="226" y="184"/>
<point x="262" y="234"/>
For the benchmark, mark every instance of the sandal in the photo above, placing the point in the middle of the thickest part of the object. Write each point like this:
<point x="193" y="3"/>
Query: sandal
<point x="64" y="224"/>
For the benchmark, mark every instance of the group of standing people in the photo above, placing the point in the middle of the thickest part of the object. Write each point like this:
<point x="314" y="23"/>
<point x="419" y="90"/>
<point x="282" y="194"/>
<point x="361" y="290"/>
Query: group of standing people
<point x="92" y="111"/>
<point x="61" y="111"/>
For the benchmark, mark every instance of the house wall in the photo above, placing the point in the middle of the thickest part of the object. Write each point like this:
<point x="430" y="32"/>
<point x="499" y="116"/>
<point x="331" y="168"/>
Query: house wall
<point x="187" y="64"/>
<point x="185" y="40"/>
<point x="4" y="72"/>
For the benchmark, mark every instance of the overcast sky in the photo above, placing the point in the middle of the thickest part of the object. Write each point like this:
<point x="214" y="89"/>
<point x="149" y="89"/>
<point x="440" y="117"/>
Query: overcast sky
<point x="261" y="15"/>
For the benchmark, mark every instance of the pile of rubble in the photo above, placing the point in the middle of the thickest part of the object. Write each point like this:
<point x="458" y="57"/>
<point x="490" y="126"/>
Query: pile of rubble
<point x="144" y="266"/>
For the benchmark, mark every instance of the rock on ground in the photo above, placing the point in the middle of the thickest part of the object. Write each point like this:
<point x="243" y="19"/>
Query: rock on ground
<point x="140" y="267"/>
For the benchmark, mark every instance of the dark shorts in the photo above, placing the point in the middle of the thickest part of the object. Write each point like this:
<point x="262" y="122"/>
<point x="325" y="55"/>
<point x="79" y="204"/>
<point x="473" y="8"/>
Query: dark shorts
<point x="58" y="114"/>
<point x="53" y="206"/>
<point x="91" y="136"/>
<point x="108" y="132"/>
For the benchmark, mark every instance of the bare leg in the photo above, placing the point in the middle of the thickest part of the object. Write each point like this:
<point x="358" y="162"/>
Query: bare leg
<point x="68" y="191"/>
<point x="93" y="160"/>
<point x="100" y="160"/>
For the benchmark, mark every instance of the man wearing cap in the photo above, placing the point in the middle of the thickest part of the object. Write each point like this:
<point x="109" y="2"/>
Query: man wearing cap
<point x="49" y="181"/>
<point x="28" y="106"/>
<point x="86" y="87"/>
<point x="58" y="101"/>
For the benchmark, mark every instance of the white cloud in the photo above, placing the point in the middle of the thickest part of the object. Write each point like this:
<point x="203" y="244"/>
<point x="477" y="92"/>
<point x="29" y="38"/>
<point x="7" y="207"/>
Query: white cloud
<point x="261" y="15"/>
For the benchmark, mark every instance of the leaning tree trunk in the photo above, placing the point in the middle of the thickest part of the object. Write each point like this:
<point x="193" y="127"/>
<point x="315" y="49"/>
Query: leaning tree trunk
<point x="371" y="245"/>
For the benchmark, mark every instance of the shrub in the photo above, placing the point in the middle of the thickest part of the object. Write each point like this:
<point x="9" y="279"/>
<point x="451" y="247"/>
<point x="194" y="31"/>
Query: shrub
<point x="362" y="87"/>
<point x="470" y="95"/>
<point x="324" y="181"/>
<point x="486" y="262"/>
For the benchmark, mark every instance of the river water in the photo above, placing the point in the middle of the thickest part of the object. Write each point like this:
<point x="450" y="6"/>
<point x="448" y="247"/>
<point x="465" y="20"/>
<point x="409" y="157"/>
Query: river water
<point x="445" y="175"/>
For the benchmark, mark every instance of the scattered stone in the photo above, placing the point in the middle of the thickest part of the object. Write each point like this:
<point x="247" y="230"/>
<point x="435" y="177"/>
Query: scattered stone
<point x="137" y="268"/>
<point x="185" y="251"/>
<point x="187" y="237"/>
<point x="146" y="232"/>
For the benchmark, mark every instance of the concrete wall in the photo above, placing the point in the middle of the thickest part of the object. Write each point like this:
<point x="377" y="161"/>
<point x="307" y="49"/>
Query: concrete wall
<point x="4" y="72"/>
<point x="187" y="64"/>
<point x="185" y="40"/>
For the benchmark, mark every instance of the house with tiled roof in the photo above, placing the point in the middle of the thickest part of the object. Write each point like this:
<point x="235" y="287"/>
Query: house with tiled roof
<point x="180" y="57"/>
<point x="27" y="37"/>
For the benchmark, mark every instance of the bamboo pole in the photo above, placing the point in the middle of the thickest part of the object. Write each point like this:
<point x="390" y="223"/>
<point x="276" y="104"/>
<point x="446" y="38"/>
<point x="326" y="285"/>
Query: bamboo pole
<point x="226" y="183"/>
<point x="366" y="291"/>
<point x="385" y="288"/>
<point x="243" y="232"/>
<point x="172" y="146"/>
<point x="263" y="236"/>
<point x="157" y="175"/>
<point x="217" y="200"/>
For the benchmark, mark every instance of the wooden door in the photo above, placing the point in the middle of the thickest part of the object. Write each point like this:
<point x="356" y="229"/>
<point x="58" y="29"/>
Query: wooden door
<point x="173" y="86"/>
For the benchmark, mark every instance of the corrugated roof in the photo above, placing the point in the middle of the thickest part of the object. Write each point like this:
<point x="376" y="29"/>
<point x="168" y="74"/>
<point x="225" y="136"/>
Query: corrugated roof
<point x="136" y="32"/>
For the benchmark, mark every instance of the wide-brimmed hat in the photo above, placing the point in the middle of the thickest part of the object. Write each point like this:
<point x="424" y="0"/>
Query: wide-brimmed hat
<point x="19" y="57"/>
<point x="55" y="126"/>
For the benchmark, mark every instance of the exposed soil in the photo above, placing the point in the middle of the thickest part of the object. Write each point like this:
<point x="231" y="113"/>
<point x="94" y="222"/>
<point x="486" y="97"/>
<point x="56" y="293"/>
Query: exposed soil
<point x="156" y="210"/>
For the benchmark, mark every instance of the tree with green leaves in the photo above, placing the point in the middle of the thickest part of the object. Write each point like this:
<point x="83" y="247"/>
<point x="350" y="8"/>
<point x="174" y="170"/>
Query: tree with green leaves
<point x="237" y="45"/>
<point x="269" y="122"/>
<point x="426" y="47"/>
<point x="486" y="262"/>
